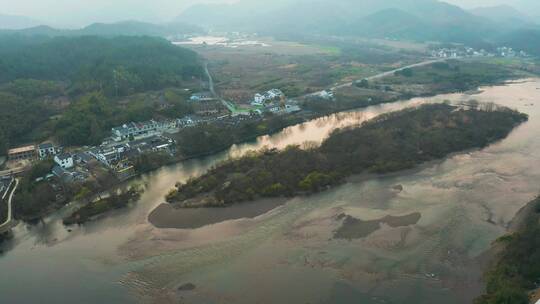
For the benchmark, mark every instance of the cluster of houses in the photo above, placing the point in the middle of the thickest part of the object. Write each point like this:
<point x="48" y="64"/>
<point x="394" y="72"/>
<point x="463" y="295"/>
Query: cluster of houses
<point x="471" y="52"/>
<point x="133" y="130"/>
<point x="32" y="152"/>
<point x="126" y="142"/>
<point x="510" y="52"/>
<point x="262" y="99"/>
<point x="274" y="101"/>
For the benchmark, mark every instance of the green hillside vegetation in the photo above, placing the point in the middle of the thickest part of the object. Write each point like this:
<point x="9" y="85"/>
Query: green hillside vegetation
<point x="117" y="66"/>
<point x="517" y="270"/>
<point x="91" y="74"/>
<point x="388" y="143"/>
<point x="123" y="28"/>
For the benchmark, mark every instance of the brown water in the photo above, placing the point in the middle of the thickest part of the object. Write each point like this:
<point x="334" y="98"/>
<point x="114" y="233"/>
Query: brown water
<point x="288" y="255"/>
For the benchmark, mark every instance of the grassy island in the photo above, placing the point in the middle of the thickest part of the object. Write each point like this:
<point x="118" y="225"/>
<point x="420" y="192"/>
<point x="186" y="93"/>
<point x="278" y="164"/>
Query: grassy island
<point x="388" y="143"/>
<point x="93" y="209"/>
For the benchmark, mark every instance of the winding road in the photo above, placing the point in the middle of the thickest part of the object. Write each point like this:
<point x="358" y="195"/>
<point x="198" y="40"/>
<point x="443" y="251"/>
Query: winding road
<point x="5" y="226"/>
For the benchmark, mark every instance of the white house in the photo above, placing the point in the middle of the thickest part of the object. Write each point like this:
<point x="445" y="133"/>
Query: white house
<point x="259" y="99"/>
<point x="274" y="93"/>
<point x="64" y="160"/>
<point x="47" y="150"/>
<point x="326" y="95"/>
<point x="145" y="129"/>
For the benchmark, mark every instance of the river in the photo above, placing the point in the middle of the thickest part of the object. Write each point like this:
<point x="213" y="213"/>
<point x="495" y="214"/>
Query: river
<point x="289" y="255"/>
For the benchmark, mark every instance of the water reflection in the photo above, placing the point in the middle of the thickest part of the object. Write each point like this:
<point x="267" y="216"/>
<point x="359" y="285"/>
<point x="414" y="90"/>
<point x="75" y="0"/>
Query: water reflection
<point x="287" y="255"/>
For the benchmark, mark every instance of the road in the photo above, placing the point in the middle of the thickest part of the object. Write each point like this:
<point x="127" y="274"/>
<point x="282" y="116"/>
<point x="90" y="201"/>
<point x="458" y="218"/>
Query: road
<point x="6" y="225"/>
<point x="382" y="75"/>
<point x="348" y="84"/>
<point x="212" y="90"/>
<point x="210" y="80"/>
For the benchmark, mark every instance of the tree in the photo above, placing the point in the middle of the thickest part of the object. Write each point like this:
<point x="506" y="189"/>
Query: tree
<point x="364" y="83"/>
<point x="3" y="143"/>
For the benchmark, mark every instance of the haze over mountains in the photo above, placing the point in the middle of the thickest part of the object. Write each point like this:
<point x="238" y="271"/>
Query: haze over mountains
<point x="17" y="22"/>
<point x="419" y="20"/>
<point x="124" y="28"/>
<point x="399" y="19"/>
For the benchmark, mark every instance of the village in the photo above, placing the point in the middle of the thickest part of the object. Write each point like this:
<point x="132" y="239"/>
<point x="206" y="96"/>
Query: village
<point x="464" y="52"/>
<point x="116" y="154"/>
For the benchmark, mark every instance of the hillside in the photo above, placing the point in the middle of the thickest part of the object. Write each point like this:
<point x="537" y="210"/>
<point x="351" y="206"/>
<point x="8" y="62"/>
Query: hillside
<point x="527" y="40"/>
<point x="91" y="62"/>
<point x="423" y="19"/>
<point x="43" y="77"/>
<point x="124" y="28"/>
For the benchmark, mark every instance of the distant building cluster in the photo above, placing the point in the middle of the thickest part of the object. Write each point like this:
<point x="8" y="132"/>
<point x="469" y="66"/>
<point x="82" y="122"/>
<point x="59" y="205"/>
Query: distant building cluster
<point x="460" y="52"/>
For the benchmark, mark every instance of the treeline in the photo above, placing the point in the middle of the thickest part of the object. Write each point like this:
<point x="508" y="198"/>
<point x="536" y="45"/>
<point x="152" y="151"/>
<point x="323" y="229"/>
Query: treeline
<point x="388" y="143"/>
<point x="83" y="79"/>
<point x="36" y="197"/>
<point x="211" y="138"/>
<point x="517" y="271"/>
<point x="116" y="66"/>
<point x="450" y="76"/>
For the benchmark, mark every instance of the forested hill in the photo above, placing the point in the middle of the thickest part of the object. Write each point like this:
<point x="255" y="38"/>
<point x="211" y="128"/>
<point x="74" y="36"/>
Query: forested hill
<point x="43" y="77"/>
<point x="116" y="66"/>
<point x="122" y="28"/>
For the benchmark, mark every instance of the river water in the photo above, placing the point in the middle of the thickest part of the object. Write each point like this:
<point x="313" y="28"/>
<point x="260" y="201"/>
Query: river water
<point x="289" y="255"/>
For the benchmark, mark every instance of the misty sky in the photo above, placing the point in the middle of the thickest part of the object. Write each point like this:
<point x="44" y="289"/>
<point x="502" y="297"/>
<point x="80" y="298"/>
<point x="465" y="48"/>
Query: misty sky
<point x="83" y="12"/>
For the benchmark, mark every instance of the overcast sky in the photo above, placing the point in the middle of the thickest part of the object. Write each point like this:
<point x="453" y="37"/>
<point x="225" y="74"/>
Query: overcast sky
<point x="83" y="12"/>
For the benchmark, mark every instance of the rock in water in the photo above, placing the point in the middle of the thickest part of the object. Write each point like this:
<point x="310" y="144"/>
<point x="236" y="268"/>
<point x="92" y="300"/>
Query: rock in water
<point x="187" y="287"/>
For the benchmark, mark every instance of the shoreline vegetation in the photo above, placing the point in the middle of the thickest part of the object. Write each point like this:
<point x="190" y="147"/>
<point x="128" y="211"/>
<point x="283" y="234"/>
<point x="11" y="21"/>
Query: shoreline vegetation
<point x="389" y="143"/>
<point x="96" y="208"/>
<point x="208" y="139"/>
<point x="513" y="276"/>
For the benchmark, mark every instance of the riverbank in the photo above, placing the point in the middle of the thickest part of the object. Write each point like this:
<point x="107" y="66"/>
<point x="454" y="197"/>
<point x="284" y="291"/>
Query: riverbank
<point x="100" y="207"/>
<point x="466" y="201"/>
<point x="390" y="143"/>
<point x="513" y="275"/>
<point x="207" y="140"/>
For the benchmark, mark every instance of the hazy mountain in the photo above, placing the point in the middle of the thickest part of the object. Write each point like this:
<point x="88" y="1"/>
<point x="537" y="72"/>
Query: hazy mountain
<point x="527" y="40"/>
<point x="16" y="22"/>
<point x="134" y="28"/>
<point x="125" y="28"/>
<point x="412" y="19"/>
<point x="388" y="22"/>
<point x="504" y="14"/>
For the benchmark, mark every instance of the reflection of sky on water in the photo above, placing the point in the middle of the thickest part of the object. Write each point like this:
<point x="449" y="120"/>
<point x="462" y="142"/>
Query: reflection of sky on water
<point x="287" y="255"/>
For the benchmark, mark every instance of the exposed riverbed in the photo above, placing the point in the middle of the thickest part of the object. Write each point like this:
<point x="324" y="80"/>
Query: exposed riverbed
<point x="423" y="249"/>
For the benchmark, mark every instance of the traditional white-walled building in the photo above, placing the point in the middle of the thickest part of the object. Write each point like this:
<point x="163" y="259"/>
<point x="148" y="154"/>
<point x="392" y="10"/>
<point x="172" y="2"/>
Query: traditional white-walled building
<point x="47" y="150"/>
<point x="64" y="160"/>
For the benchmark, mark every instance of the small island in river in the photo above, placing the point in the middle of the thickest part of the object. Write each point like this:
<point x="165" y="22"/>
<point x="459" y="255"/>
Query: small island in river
<point x="388" y="143"/>
<point x="113" y="202"/>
